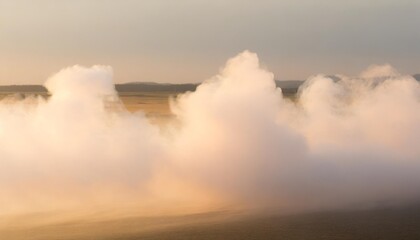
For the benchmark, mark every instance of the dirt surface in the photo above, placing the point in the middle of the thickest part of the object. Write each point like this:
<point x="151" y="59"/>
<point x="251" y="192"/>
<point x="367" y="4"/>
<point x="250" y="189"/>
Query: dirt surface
<point x="372" y="224"/>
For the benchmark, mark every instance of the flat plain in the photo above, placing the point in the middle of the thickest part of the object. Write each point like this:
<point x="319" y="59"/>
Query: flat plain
<point x="392" y="223"/>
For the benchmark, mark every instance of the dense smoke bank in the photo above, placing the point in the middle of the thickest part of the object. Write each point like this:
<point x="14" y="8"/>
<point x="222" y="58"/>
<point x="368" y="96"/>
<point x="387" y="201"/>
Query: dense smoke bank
<point x="344" y="141"/>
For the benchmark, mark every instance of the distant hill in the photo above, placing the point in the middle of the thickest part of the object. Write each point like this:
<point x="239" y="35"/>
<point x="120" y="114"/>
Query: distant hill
<point x="288" y="86"/>
<point x="123" y="88"/>
<point x="167" y="87"/>
<point x="23" y="89"/>
<point x="155" y="87"/>
<point x="140" y="87"/>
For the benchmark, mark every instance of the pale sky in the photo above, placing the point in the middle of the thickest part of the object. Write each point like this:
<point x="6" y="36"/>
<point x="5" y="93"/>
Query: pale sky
<point x="189" y="40"/>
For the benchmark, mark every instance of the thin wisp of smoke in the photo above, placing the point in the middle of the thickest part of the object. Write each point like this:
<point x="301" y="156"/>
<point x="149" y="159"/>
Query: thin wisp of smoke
<point x="235" y="140"/>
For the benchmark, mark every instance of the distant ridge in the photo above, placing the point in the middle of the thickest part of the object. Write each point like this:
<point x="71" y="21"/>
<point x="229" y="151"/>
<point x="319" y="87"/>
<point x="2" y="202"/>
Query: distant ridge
<point x="155" y="87"/>
<point x="125" y="87"/>
<point x="23" y="89"/>
<point x="287" y="86"/>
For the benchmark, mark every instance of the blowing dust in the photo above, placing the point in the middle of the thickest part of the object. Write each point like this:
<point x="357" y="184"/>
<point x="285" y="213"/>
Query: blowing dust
<point x="235" y="141"/>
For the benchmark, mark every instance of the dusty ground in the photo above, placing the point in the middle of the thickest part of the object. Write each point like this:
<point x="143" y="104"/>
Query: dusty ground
<point x="151" y="103"/>
<point x="154" y="105"/>
<point x="401" y="223"/>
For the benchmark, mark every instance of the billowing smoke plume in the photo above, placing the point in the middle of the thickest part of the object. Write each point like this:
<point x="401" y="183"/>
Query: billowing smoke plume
<point x="342" y="141"/>
<point x="76" y="146"/>
<point x="345" y="140"/>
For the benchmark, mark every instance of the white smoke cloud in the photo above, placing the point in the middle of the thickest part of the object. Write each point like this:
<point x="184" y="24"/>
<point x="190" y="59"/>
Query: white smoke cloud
<point x="236" y="139"/>
<point x="351" y="140"/>
<point x="62" y="150"/>
<point x="232" y="137"/>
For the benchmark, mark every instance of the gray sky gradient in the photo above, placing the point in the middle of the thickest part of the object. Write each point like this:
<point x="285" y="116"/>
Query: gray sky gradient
<point x="188" y="40"/>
